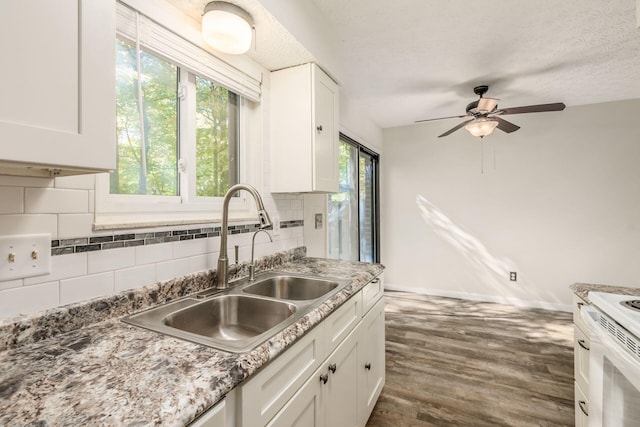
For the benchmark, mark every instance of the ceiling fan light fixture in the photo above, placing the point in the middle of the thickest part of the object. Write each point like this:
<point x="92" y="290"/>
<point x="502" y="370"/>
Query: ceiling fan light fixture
<point x="481" y="127"/>
<point x="227" y="28"/>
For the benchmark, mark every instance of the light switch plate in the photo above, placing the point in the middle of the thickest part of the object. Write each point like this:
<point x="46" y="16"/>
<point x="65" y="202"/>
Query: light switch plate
<point x="24" y="255"/>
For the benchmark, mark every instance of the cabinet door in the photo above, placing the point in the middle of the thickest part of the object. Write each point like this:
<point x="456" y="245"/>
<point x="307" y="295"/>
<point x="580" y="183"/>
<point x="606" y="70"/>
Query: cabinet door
<point x="341" y="389"/>
<point x="326" y="134"/>
<point x="581" y="407"/>
<point x="214" y="417"/>
<point x="270" y="389"/>
<point x="58" y="85"/>
<point x="581" y="357"/>
<point x="304" y="409"/>
<point x="371" y="361"/>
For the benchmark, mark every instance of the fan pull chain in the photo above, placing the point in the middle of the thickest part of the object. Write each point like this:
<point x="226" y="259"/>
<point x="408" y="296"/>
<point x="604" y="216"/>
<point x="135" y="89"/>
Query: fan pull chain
<point x="482" y="156"/>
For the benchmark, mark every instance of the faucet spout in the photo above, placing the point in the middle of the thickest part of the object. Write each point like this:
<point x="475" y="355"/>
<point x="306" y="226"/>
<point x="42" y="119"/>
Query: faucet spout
<point x="265" y="222"/>
<point x="252" y="267"/>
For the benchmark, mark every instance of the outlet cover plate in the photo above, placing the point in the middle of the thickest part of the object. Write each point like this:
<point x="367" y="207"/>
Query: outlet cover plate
<point x="24" y="255"/>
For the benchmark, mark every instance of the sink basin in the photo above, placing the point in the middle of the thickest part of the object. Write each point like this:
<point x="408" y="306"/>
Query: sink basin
<point x="230" y="317"/>
<point x="291" y="288"/>
<point x="243" y="316"/>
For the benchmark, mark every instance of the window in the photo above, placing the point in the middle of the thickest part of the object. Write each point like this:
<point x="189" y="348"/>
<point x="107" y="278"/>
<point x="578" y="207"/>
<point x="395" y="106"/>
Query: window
<point x="146" y="124"/>
<point x="184" y="124"/>
<point x="353" y="211"/>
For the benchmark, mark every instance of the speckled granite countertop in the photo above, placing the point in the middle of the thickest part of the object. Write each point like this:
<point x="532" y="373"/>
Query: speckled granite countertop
<point x="582" y="290"/>
<point x="106" y="372"/>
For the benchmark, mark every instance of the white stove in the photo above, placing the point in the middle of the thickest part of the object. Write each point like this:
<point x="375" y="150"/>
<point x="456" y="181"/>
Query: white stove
<point x="614" y="361"/>
<point x="624" y="309"/>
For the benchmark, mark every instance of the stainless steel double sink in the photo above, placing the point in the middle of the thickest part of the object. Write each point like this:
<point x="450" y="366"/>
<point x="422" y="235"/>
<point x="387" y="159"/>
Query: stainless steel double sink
<point x="241" y="317"/>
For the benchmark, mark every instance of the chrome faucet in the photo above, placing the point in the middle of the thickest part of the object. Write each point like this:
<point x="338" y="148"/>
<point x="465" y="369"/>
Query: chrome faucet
<point x="252" y="274"/>
<point x="223" y="262"/>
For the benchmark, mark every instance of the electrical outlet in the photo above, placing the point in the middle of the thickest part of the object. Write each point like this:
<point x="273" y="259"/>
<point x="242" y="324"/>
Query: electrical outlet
<point x="25" y="255"/>
<point x="513" y="276"/>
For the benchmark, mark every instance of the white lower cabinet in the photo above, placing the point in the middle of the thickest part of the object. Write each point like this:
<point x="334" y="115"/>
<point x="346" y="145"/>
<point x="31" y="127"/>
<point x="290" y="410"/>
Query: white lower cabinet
<point x="214" y="417"/>
<point x="580" y="363"/>
<point x="340" y="393"/>
<point x="581" y="407"/>
<point x="339" y="388"/>
<point x="371" y="361"/>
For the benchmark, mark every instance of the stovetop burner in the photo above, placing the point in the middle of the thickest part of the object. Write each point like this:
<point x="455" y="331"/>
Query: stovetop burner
<point x="632" y="304"/>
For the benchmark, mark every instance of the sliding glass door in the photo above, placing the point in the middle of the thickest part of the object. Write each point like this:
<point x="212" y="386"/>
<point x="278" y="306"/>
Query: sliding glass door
<point x="353" y="211"/>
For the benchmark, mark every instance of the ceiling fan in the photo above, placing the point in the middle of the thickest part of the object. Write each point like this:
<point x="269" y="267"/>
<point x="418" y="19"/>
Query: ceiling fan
<point x="484" y="115"/>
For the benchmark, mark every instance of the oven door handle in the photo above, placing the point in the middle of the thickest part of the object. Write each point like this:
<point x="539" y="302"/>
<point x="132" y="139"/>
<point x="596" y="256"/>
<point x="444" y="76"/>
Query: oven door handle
<point x="592" y="316"/>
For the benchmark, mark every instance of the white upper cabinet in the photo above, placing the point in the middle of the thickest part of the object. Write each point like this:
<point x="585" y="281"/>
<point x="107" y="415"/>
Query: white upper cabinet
<point x="57" y="115"/>
<point x="304" y="131"/>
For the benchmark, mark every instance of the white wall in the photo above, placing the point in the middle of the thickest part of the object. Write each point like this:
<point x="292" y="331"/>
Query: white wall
<point x="561" y="206"/>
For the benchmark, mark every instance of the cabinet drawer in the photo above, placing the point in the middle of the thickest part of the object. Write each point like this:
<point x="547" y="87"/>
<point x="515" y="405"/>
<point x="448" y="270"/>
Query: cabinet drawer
<point x="581" y="407"/>
<point x="578" y="303"/>
<point x="268" y="391"/>
<point x="342" y="321"/>
<point x="214" y="417"/>
<point x="371" y="293"/>
<point x="581" y="352"/>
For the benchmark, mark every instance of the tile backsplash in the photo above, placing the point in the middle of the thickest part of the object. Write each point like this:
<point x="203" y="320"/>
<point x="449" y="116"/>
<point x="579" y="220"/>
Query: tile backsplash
<point x="88" y="264"/>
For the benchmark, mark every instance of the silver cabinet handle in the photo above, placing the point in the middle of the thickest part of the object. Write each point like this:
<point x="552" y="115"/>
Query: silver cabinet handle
<point x="333" y="368"/>
<point x="376" y="280"/>
<point x="319" y="128"/>
<point x="367" y="366"/>
<point x="582" y="344"/>
<point x="324" y="378"/>
<point x="582" y="404"/>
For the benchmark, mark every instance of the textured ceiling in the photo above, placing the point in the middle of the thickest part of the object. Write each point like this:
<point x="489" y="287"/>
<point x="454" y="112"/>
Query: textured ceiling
<point x="417" y="59"/>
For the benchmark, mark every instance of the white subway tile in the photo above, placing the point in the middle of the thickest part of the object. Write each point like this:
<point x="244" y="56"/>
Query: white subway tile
<point x="28" y="299"/>
<point x="111" y="259"/>
<point x="75" y="225"/>
<point x="78" y="182"/>
<point x="199" y="263"/>
<point x="136" y="277"/>
<point x="172" y="269"/>
<point x="283" y="204"/>
<point x="12" y="200"/>
<point x="29" y="224"/>
<point x="92" y="201"/>
<point x="153" y="253"/>
<point x="86" y="287"/>
<point x="62" y="267"/>
<point x="21" y="181"/>
<point x="54" y="200"/>
<point x="9" y="284"/>
<point x="296" y="204"/>
<point x="187" y="248"/>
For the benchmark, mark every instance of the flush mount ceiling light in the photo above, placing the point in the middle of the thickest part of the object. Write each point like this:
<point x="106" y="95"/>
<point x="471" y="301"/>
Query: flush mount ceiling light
<point x="481" y="126"/>
<point x="227" y="27"/>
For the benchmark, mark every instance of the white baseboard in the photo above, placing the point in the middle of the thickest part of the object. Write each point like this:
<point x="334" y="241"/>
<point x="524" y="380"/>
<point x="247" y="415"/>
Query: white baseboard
<point x="480" y="297"/>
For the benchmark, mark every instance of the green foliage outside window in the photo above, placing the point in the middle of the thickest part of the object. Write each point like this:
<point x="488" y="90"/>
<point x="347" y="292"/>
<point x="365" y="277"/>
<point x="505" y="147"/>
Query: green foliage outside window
<point x="160" y="116"/>
<point x="148" y="161"/>
<point x="216" y="138"/>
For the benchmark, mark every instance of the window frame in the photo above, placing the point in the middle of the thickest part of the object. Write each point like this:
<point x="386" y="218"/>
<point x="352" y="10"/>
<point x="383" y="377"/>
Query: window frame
<point x="114" y="211"/>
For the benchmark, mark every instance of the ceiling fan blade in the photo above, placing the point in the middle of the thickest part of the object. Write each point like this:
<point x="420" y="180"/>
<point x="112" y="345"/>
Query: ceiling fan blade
<point x="452" y="130"/>
<point x="504" y="125"/>
<point x="486" y="105"/>
<point x="558" y="106"/>
<point x="440" y="118"/>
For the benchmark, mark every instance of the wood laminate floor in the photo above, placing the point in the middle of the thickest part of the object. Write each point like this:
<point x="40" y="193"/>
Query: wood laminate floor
<point x="453" y="362"/>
